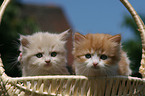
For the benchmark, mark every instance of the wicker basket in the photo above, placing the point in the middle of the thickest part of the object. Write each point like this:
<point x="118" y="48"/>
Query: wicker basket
<point x="75" y="85"/>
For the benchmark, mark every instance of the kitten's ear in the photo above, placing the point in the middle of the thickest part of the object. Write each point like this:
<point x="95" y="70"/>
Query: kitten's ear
<point x="79" y="37"/>
<point x="64" y="35"/>
<point x="24" y="41"/>
<point x="116" y="38"/>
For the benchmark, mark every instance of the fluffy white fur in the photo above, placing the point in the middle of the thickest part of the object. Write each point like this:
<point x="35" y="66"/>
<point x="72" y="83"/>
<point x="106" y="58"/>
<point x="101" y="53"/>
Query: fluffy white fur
<point x="44" y="43"/>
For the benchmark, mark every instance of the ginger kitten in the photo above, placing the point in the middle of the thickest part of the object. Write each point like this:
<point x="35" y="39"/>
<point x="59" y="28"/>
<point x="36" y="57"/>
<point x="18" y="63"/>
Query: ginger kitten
<point x="43" y="54"/>
<point x="99" y="55"/>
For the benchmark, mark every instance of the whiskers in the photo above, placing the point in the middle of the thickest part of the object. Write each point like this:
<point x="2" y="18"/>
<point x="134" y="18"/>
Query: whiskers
<point x="12" y="62"/>
<point x="53" y="70"/>
<point x="12" y="66"/>
<point x="83" y="70"/>
<point x="109" y="70"/>
<point x="16" y="44"/>
<point x="61" y="69"/>
<point x="12" y="56"/>
<point x="33" y="71"/>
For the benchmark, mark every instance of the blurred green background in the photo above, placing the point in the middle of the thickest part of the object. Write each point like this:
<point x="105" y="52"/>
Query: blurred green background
<point x="13" y="24"/>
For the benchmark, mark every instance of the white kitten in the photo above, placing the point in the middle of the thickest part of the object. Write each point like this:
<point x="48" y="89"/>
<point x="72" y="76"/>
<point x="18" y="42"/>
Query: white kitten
<point x="43" y="54"/>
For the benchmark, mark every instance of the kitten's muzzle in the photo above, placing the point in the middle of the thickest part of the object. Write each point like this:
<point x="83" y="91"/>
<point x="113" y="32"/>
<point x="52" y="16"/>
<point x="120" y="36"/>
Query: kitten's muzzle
<point x="95" y="64"/>
<point x="47" y="62"/>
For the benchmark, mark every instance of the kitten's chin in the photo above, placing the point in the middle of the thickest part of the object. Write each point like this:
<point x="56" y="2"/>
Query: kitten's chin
<point x="47" y="66"/>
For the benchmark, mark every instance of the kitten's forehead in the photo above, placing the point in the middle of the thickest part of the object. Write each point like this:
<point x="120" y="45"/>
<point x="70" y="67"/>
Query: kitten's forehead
<point x="94" y="41"/>
<point x="43" y="41"/>
<point x="99" y="43"/>
<point x="44" y="36"/>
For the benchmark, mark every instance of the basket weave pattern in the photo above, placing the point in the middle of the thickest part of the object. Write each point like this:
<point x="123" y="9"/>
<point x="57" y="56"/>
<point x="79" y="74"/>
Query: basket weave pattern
<point x="70" y="85"/>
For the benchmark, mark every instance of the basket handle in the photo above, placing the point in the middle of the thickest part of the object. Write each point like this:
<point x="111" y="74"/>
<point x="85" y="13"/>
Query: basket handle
<point x="2" y="9"/>
<point x="141" y="29"/>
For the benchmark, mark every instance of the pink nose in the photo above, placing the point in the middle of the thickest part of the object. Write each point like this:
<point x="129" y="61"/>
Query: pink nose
<point x="47" y="61"/>
<point x="95" y="64"/>
<point x="20" y="54"/>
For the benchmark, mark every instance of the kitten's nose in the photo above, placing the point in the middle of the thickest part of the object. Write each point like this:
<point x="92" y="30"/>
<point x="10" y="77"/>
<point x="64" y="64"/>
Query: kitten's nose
<point x="20" y="54"/>
<point x="95" y="64"/>
<point x="47" y="61"/>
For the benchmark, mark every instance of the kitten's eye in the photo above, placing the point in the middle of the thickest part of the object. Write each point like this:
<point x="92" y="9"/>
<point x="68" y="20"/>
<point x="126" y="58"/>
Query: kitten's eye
<point x="103" y="57"/>
<point x="53" y="54"/>
<point x="88" y="56"/>
<point x="39" y="55"/>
